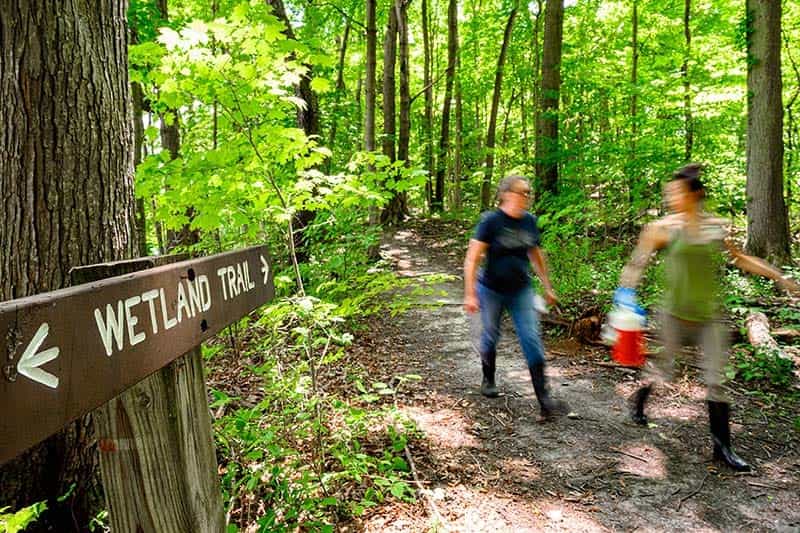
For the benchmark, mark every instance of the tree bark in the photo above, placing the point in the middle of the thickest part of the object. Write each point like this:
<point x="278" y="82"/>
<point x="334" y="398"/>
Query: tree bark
<point x="537" y="68"/>
<point x="444" y="137"/>
<point x="547" y="120"/>
<point x="486" y="186"/>
<point x="767" y="221"/>
<point x="397" y="208"/>
<point x="389" y="64"/>
<point x="369" y="84"/>
<point x="66" y="172"/>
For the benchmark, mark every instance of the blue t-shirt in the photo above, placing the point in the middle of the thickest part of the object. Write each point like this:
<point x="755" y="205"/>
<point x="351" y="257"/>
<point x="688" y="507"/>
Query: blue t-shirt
<point x="507" y="267"/>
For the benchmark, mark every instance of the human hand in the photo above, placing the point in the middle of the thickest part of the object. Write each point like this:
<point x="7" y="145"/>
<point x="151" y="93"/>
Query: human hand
<point x="625" y="297"/>
<point x="471" y="304"/>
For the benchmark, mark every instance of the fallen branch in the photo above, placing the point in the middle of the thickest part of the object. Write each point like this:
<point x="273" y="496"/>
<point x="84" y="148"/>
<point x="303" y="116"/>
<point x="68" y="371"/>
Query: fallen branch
<point x="758" y="333"/>
<point x="694" y="492"/>
<point x="642" y="459"/>
<point x="422" y="490"/>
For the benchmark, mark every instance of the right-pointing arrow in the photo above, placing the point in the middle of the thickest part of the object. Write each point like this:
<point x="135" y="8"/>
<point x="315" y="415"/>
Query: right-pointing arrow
<point x="264" y="269"/>
<point x="30" y="361"/>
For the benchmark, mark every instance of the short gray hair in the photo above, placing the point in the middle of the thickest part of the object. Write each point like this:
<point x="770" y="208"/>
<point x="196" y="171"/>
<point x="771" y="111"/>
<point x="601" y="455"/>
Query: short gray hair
<point x="506" y="183"/>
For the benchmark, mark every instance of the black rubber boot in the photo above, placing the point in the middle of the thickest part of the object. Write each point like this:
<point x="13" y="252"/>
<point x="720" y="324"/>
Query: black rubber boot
<point x="637" y="403"/>
<point x="549" y="407"/>
<point x="488" y="388"/>
<point x="719" y="420"/>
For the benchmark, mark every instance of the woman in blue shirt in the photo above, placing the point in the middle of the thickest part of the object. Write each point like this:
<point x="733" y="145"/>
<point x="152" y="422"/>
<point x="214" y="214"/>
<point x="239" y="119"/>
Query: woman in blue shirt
<point x="509" y="239"/>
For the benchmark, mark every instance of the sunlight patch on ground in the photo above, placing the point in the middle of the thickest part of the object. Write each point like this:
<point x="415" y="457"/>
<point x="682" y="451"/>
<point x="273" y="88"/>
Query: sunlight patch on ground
<point x="445" y="428"/>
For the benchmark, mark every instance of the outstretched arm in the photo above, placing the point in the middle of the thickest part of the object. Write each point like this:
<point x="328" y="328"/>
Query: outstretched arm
<point x="539" y="264"/>
<point x="654" y="236"/>
<point x="475" y="253"/>
<point x="755" y="265"/>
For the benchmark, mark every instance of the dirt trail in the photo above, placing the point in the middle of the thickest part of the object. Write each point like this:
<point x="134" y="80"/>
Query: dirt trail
<point x="489" y="466"/>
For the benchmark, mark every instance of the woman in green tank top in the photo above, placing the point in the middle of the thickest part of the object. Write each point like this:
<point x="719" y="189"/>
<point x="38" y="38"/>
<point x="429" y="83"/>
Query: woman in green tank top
<point x="695" y="244"/>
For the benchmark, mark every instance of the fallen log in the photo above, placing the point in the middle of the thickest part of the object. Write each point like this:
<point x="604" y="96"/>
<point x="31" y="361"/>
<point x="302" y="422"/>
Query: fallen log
<point x="786" y="332"/>
<point x="758" y="333"/>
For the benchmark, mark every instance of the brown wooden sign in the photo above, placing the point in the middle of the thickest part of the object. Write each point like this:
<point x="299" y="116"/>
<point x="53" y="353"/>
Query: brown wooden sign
<point x="66" y="352"/>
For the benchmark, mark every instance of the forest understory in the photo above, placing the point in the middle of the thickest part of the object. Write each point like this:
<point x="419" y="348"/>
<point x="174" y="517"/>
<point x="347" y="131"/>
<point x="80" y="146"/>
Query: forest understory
<point x="488" y="465"/>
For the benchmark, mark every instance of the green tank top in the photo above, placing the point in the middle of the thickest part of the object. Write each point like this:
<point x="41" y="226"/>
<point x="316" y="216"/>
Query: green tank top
<point x="692" y="278"/>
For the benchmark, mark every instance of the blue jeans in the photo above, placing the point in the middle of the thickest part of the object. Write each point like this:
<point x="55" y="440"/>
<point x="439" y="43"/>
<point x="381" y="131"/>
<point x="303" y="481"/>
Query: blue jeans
<point x="526" y="321"/>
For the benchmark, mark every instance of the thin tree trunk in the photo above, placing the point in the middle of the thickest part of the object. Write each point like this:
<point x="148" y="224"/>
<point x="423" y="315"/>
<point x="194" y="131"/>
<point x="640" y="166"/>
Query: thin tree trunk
<point x="428" y="85"/>
<point x="308" y="121"/>
<point x="791" y="127"/>
<point x="523" y="111"/>
<point x="688" y="125"/>
<point x="137" y="98"/>
<point x="547" y="145"/>
<point x="767" y="222"/>
<point x="66" y="176"/>
<point x="457" y="163"/>
<point x="486" y="186"/>
<point x="171" y="141"/>
<point x="444" y="138"/>
<point x="537" y="68"/>
<point x="340" y="91"/>
<point x="634" y="78"/>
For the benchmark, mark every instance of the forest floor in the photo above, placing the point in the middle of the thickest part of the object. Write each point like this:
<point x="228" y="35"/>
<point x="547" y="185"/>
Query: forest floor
<point x="487" y="465"/>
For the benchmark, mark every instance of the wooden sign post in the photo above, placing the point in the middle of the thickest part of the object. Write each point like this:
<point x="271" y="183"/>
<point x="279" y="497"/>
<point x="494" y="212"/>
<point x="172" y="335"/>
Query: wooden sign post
<point x="70" y="351"/>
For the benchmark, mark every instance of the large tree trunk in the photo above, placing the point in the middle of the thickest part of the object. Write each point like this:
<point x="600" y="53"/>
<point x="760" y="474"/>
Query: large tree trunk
<point x="486" y="186"/>
<point x="369" y="84"/>
<point x="767" y="222"/>
<point x="444" y="137"/>
<point x="369" y="95"/>
<point x="397" y="209"/>
<point x="389" y="63"/>
<point x="547" y="121"/>
<point x="428" y="90"/>
<point x="66" y="172"/>
<point x="688" y="124"/>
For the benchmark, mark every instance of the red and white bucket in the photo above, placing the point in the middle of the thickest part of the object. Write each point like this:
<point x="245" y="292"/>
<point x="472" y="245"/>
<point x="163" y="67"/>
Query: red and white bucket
<point x="629" y="347"/>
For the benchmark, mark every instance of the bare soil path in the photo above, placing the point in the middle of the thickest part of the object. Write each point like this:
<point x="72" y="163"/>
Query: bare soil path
<point x="487" y="465"/>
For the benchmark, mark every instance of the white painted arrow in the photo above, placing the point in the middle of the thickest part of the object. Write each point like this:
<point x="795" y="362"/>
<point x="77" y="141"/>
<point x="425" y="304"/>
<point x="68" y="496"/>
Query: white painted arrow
<point x="264" y="269"/>
<point x="30" y="361"/>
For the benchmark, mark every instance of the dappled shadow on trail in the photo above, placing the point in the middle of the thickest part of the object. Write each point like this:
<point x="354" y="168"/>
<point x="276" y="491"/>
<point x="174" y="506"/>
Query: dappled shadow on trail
<point x="488" y="465"/>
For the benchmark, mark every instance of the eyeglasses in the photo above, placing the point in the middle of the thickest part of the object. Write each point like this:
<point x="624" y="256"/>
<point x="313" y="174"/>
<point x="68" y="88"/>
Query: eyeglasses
<point x="525" y="193"/>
